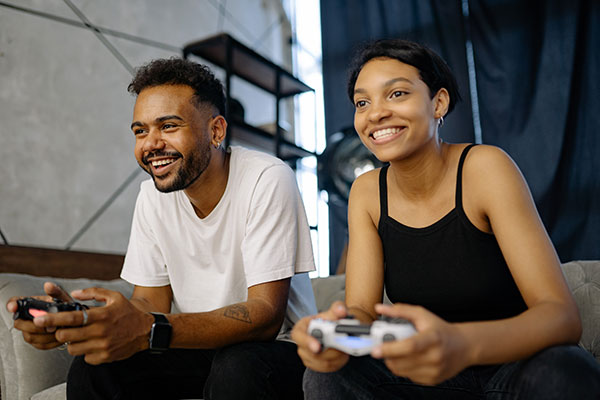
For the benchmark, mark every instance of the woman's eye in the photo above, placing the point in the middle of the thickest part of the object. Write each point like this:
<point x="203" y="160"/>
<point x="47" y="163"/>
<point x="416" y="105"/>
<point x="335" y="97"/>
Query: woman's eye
<point x="398" y="93"/>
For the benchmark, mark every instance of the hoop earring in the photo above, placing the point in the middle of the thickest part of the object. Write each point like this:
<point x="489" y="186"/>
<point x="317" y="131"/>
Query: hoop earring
<point x="441" y="122"/>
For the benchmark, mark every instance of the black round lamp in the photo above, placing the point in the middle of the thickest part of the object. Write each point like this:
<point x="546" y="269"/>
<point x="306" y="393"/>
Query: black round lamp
<point x="342" y="161"/>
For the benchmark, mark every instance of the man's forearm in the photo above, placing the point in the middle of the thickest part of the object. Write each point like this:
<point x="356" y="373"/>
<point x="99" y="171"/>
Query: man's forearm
<point x="145" y="305"/>
<point x="253" y="320"/>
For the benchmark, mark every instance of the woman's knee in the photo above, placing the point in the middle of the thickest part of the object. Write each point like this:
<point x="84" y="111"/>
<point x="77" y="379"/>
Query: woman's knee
<point x="320" y="385"/>
<point x="564" y="369"/>
<point x="355" y="380"/>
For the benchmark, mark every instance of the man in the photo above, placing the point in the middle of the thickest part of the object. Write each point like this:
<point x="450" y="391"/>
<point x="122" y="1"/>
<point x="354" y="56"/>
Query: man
<point x="220" y="235"/>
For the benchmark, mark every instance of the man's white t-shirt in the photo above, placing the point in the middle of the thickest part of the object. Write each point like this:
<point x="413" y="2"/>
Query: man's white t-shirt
<point x="257" y="233"/>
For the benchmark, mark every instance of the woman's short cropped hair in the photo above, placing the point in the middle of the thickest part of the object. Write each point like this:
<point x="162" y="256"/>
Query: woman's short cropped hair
<point x="433" y="70"/>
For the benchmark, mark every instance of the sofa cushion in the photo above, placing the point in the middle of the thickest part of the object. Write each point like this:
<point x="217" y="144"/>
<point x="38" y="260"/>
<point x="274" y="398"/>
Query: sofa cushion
<point x="327" y="290"/>
<point x="58" y="392"/>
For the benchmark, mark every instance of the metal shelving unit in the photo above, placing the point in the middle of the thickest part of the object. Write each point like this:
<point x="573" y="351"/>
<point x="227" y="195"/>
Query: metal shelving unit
<point x="237" y="59"/>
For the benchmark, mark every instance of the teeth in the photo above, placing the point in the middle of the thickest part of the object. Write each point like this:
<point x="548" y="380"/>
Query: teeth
<point x="162" y="162"/>
<point x="385" y="132"/>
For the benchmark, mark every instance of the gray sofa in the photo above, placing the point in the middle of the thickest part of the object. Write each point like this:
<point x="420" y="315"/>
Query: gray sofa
<point x="29" y="373"/>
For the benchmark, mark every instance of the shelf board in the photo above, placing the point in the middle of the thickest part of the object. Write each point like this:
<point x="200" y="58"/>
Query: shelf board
<point x="247" y="64"/>
<point x="251" y="136"/>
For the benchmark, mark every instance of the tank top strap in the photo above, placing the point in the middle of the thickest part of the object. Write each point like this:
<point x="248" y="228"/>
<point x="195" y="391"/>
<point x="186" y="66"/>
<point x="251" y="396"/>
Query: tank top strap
<point x="383" y="206"/>
<point x="461" y="161"/>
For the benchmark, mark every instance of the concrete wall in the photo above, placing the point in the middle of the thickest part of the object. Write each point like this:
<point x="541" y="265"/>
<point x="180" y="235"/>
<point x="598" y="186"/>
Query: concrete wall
<point x="66" y="147"/>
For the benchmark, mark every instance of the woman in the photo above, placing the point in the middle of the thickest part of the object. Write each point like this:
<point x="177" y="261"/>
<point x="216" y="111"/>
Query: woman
<point x="455" y="239"/>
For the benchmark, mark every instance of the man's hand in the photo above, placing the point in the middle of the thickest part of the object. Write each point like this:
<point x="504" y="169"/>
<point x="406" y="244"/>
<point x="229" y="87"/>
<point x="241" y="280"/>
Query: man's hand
<point x="42" y="338"/>
<point x="309" y="348"/>
<point x="436" y="353"/>
<point x="113" y="332"/>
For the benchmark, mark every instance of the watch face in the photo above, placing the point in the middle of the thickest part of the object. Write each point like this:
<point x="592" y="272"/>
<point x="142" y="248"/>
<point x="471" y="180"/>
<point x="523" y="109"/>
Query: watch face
<point x="160" y="335"/>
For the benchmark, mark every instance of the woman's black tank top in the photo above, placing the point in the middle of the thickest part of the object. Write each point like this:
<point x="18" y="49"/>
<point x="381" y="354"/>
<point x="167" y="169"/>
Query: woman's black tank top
<point x="451" y="268"/>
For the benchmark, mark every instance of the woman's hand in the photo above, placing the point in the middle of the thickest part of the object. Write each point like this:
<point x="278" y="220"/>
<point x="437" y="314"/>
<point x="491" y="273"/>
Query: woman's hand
<point x="437" y="352"/>
<point x="309" y="348"/>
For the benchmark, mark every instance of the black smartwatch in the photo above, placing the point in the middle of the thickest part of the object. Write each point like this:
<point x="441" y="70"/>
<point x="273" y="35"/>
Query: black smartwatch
<point x="160" y="334"/>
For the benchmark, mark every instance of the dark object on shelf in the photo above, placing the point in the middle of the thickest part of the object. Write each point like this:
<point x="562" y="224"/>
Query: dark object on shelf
<point x="236" y="110"/>
<point x="237" y="59"/>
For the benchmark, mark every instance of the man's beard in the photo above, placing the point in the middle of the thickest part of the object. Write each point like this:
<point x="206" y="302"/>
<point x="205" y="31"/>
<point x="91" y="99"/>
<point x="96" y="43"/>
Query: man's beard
<point x="192" y="167"/>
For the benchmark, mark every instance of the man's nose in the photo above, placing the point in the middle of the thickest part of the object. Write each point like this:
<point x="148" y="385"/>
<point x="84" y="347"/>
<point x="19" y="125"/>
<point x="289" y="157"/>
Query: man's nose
<point x="153" y="141"/>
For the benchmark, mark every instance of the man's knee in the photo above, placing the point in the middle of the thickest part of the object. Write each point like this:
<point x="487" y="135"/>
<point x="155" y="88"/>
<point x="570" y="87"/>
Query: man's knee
<point x="269" y="370"/>
<point x="86" y="381"/>
<point x="238" y="362"/>
<point x="236" y="372"/>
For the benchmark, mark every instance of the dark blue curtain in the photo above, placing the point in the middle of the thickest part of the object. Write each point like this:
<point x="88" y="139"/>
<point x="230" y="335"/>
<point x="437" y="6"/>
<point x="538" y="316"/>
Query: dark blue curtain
<point x="538" y="78"/>
<point x="538" y="75"/>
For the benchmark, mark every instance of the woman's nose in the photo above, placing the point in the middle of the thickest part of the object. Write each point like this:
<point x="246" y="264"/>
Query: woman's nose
<point x="378" y="111"/>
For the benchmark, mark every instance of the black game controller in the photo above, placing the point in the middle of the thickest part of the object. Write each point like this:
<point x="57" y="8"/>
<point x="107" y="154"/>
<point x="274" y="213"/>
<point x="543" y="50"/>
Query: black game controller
<point x="28" y="308"/>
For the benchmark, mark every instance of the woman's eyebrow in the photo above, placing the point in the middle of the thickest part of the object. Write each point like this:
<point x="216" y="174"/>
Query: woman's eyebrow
<point x="400" y="79"/>
<point x="386" y="84"/>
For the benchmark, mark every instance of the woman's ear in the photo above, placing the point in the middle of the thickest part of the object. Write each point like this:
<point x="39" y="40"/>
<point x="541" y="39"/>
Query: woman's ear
<point x="441" y="102"/>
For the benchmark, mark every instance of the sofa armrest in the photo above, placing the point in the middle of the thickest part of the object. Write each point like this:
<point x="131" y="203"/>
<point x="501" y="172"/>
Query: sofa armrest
<point x="25" y="370"/>
<point x="583" y="278"/>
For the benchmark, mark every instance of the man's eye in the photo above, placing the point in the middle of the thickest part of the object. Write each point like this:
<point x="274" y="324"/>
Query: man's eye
<point x="169" y="126"/>
<point x="138" y="131"/>
<point x="360" y="103"/>
<point x="398" y="93"/>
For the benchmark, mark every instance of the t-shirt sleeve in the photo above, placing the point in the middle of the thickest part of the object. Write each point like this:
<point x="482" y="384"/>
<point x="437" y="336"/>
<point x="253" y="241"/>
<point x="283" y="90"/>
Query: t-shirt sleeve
<point x="276" y="242"/>
<point x="144" y="263"/>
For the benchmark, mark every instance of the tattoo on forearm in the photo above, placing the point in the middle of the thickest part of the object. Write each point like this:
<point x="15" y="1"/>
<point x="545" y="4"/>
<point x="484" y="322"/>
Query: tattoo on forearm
<point x="238" y="312"/>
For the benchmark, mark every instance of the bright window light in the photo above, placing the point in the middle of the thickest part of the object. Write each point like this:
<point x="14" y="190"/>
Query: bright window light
<point x="309" y="120"/>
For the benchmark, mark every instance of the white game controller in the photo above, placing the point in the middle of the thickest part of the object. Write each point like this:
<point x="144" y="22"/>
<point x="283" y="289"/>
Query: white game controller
<point x="352" y="337"/>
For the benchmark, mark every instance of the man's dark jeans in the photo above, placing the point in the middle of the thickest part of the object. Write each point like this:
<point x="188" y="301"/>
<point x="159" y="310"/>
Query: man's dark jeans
<point x="561" y="373"/>
<point x="264" y="370"/>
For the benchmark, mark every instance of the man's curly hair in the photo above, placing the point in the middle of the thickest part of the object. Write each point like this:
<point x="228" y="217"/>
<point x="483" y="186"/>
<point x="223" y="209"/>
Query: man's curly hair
<point x="177" y="71"/>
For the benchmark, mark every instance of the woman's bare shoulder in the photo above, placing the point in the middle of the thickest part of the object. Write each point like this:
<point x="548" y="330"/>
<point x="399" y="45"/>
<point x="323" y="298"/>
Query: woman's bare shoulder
<point x="491" y="175"/>
<point x="364" y="194"/>
<point x="489" y="158"/>
<point x="366" y="184"/>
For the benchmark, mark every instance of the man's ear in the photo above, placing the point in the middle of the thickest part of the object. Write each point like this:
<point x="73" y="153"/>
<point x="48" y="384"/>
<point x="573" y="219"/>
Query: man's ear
<point x="218" y="130"/>
<point x="441" y="102"/>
